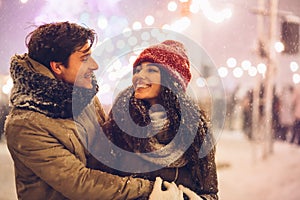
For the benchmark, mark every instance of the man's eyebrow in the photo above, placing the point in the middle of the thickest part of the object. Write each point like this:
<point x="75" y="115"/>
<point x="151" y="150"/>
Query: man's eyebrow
<point x="85" y="54"/>
<point x="85" y="50"/>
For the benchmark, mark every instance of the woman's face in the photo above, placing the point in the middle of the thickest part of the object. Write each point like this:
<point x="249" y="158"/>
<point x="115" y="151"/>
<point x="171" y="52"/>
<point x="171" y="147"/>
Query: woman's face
<point x="146" y="81"/>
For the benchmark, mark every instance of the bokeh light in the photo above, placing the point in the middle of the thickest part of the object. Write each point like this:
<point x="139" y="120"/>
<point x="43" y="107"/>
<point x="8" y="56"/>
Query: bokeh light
<point x="149" y="20"/>
<point x="261" y="68"/>
<point x="102" y="22"/>
<point x="294" y="66"/>
<point x="238" y="72"/>
<point x="296" y="78"/>
<point x="8" y="86"/>
<point x="181" y="24"/>
<point x="172" y="6"/>
<point x="252" y="71"/>
<point x="211" y="14"/>
<point x="246" y="64"/>
<point x="231" y="62"/>
<point x="201" y="82"/>
<point x="279" y="47"/>
<point x="136" y="25"/>
<point x="223" y="72"/>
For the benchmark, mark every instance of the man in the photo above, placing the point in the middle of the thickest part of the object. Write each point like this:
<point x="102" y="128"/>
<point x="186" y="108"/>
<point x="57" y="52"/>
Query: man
<point x="55" y="115"/>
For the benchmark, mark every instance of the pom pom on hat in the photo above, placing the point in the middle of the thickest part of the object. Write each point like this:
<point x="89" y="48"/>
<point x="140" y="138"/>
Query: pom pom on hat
<point x="171" y="55"/>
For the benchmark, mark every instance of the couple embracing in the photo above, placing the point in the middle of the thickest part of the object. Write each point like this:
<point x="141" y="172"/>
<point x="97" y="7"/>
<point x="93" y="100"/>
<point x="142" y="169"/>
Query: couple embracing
<point x="56" y="149"/>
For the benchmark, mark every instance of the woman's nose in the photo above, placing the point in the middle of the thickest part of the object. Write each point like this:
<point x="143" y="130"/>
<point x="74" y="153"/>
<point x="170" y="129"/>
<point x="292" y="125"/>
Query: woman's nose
<point x="142" y="73"/>
<point x="137" y="76"/>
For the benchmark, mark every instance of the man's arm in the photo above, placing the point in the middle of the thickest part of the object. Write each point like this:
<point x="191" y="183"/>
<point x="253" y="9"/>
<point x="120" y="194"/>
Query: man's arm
<point x="63" y="171"/>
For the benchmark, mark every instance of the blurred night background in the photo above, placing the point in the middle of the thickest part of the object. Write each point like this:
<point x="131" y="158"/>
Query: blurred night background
<point x="252" y="44"/>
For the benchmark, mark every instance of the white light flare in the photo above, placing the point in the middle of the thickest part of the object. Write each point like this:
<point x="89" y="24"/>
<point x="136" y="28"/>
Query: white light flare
<point x="136" y="25"/>
<point x="149" y="20"/>
<point x="231" y="62"/>
<point x="201" y="82"/>
<point x="223" y="72"/>
<point x="246" y="64"/>
<point x="252" y="71"/>
<point x="179" y="25"/>
<point x="261" y="68"/>
<point x="210" y="13"/>
<point x="296" y="78"/>
<point x="172" y="6"/>
<point x="102" y="22"/>
<point x="279" y="47"/>
<point x="7" y="87"/>
<point x="238" y="72"/>
<point x="294" y="66"/>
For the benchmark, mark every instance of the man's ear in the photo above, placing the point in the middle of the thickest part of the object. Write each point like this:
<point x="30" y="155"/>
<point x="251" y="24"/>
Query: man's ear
<point x="56" y="67"/>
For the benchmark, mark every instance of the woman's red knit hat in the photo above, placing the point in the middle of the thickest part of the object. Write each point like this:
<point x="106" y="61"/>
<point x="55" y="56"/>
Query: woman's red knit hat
<point x="170" y="54"/>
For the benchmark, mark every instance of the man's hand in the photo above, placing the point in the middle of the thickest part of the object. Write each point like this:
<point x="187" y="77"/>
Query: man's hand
<point x="172" y="192"/>
<point x="192" y="195"/>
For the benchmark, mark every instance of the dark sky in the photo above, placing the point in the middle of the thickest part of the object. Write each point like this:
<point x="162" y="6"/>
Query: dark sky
<point x="15" y="20"/>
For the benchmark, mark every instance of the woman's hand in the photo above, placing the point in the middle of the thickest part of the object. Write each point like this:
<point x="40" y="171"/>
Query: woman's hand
<point x="172" y="192"/>
<point x="192" y="195"/>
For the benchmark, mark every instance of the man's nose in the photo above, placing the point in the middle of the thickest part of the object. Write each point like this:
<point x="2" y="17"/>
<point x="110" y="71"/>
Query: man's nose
<point x="93" y="64"/>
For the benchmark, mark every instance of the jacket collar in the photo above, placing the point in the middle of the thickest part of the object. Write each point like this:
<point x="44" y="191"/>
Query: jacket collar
<point x="35" y="88"/>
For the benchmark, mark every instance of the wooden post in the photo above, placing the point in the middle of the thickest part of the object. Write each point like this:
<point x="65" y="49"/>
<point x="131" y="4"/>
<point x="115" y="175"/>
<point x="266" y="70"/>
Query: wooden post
<point x="269" y="80"/>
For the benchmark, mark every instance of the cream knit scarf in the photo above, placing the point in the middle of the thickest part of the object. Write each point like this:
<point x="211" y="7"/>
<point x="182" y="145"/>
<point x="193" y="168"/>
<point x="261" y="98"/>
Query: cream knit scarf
<point x="165" y="155"/>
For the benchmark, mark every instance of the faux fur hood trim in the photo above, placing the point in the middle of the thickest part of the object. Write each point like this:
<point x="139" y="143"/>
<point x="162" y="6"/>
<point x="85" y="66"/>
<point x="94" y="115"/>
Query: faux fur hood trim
<point x="35" y="88"/>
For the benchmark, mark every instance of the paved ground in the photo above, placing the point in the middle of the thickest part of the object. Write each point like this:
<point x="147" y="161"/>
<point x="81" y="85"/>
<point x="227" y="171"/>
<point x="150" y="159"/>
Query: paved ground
<point x="7" y="183"/>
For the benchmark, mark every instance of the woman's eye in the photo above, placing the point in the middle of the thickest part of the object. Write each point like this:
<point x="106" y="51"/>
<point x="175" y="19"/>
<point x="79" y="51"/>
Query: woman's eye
<point x="152" y="70"/>
<point x="137" y="70"/>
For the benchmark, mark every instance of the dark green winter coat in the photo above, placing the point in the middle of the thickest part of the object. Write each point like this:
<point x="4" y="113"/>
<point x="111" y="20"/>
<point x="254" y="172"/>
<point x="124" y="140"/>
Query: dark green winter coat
<point x="188" y="131"/>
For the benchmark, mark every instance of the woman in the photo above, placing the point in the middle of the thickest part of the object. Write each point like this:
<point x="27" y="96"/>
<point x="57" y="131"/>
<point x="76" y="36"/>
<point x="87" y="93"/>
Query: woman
<point x="161" y="126"/>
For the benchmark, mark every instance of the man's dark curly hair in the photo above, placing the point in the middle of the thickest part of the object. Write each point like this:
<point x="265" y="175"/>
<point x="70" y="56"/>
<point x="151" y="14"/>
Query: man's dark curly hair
<point x="57" y="41"/>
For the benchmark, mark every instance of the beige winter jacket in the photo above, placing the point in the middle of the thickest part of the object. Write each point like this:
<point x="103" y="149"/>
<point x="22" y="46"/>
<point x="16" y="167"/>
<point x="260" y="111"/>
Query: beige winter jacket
<point x="49" y="158"/>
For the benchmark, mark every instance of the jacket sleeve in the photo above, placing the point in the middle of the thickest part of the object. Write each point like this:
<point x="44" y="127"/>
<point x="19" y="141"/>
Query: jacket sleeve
<point x="101" y="115"/>
<point x="210" y="187"/>
<point x="208" y="170"/>
<point x="206" y="155"/>
<point x="204" y="167"/>
<point x="52" y="162"/>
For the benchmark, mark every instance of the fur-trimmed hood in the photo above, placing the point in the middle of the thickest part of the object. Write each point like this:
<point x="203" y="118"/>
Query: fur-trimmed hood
<point x="35" y="88"/>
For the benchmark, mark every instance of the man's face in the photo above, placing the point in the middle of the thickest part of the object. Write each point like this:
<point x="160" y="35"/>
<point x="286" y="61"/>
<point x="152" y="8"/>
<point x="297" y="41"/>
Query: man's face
<point x="146" y="82"/>
<point x="80" y="68"/>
